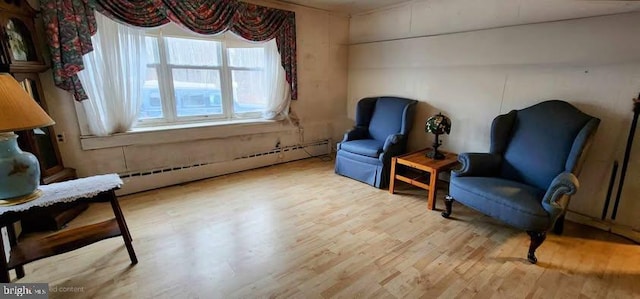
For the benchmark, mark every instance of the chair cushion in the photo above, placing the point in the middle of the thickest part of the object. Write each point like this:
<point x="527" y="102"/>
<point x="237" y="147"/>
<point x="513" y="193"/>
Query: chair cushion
<point x="542" y="138"/>
<point x="512" y="202"/>
<point x="365" y="147"/>
<point x="388" y="117"/>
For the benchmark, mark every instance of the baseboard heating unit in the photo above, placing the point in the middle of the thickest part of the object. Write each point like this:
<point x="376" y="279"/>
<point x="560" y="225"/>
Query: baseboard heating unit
<point x="165" y="176"/>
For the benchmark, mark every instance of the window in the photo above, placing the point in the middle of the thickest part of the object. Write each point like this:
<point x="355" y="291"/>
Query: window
<point x="196" y="78"/>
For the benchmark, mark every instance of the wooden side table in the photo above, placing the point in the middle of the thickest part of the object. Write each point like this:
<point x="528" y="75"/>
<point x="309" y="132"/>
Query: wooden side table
<point x="31" y="249"/>
<point x="421" y="171"/>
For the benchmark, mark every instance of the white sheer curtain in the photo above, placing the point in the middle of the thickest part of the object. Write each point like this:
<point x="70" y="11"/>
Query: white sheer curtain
<point x="113" y="77"/>
<point x="277" y="90"/>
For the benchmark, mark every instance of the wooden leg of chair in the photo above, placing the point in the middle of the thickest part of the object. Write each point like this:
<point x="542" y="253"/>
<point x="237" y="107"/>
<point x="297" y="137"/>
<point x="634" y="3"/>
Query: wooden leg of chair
<point x="13" y="241"/>
<point x="124" y="230"/>
<point x="558" y="227"/>
<point x="448" y="202"/>
<point x="4" y="271"/>
<point x="119" y="212"/>
<point x="536" y="240"/>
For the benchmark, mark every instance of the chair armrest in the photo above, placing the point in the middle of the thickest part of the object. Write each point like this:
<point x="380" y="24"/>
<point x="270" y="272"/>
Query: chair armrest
<point x="554" y="201"/>
<point x="478" y="164"/>
<point x="392" y="140"/>
<point x="355" y="134"/>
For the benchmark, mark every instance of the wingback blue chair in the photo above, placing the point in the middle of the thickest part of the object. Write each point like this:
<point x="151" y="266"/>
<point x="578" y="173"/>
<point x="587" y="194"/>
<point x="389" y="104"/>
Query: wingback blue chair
<point x="528" y="176"/>
<point x="380" y="132"/>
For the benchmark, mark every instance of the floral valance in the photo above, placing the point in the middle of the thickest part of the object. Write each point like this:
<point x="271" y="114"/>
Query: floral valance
<point x="70" y="24"/>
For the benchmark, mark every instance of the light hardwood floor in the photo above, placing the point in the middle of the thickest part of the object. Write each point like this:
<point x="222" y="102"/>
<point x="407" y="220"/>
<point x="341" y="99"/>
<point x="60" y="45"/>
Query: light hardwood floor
<point x="298" y="230"/>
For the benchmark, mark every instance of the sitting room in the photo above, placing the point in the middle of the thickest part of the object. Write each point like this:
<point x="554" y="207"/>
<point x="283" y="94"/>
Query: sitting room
<point x="320" y="149"/>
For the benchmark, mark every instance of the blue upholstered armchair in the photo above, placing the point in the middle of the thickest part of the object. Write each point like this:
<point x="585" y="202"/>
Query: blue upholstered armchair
<point x="531" y="171"/>
<point x="382" y="126"/>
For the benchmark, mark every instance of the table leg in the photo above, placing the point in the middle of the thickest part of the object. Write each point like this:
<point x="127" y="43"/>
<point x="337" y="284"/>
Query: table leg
<point x="117" y="206"/>
<point x="392" y="178"/>
<point x="433" y="179"/>
<point x="4" y="272"/>
<point x="124" y="230"/>
<point x="13" y="240"/>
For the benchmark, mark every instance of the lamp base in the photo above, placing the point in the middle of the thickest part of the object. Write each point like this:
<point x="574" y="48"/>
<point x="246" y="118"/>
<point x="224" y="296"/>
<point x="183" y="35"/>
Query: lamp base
<point x="435" y="154"/>
<point x="19" y="171"/>
<point x="20" y="199"/>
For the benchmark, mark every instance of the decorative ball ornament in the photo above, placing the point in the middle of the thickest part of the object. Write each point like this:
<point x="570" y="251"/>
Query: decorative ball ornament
<point x="438" y="124"/>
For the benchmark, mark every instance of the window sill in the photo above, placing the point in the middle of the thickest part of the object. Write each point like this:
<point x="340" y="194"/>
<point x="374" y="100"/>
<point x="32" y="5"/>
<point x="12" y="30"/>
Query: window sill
<point x="199" y="124"/>
<point x="183" y="133"/>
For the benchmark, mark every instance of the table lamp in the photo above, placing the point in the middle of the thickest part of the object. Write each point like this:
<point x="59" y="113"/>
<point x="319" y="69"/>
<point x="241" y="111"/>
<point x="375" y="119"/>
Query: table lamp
<point x="437" y="124"/>
<point x="19" y="171"/>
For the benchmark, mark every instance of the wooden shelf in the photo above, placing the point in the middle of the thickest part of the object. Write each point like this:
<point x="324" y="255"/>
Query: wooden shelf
<point x="32" y="249"/>
<point x="413" y="182"/>
<point x="29" y="68"/>
<point x="63" y="175"/>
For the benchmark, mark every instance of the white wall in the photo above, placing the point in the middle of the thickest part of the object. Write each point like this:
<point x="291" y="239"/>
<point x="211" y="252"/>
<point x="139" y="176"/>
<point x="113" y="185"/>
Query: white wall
<point x="593" y="63"/>
<point x="430" y="17"/>
<point x="322" y="40"/>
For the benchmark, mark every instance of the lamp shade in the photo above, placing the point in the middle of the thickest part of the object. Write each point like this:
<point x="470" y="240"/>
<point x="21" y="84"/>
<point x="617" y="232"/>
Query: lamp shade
<point x="18" y="110"/>
<point x="438" y="124"/>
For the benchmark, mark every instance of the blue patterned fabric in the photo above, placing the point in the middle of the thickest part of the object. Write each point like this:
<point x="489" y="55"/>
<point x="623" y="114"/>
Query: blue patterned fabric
<point x="382" y="125"/>
<point x="536" y="154"/>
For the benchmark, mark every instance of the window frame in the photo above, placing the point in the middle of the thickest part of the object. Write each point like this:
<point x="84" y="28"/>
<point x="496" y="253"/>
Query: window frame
<point x="166" y="86"/>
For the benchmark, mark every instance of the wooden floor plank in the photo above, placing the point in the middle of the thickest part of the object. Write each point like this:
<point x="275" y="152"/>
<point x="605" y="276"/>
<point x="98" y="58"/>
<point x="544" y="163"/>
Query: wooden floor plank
<point x="298" y="230"/>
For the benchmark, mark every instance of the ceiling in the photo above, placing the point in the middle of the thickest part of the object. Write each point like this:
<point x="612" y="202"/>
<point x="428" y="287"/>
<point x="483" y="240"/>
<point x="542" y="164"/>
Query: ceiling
<point x="579" y="7"/>
<point x="346" y="6"/>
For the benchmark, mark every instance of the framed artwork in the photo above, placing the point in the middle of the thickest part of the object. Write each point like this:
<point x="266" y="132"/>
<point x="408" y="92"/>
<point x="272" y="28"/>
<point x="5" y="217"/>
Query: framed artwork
<point x="20" y="41"/>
